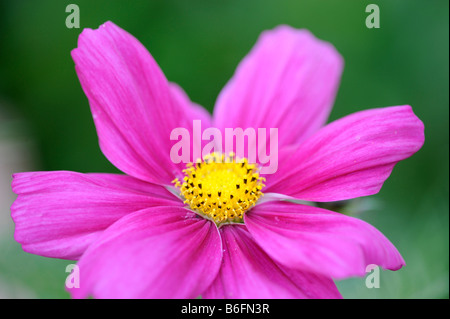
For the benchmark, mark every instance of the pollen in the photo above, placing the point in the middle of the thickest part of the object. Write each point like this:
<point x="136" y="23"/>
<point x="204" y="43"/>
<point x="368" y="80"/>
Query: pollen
<point x="221" y="187"/>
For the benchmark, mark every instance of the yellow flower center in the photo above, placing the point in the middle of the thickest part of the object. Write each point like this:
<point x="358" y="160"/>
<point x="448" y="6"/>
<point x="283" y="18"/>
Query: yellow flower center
<point x="221" y="188"/>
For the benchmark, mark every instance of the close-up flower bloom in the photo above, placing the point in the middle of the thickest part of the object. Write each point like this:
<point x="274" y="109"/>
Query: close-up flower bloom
<point x="217" y="227"/>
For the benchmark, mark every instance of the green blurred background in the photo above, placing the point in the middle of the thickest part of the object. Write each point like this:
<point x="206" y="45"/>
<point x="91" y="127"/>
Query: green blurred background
<point x="45" y="121"/>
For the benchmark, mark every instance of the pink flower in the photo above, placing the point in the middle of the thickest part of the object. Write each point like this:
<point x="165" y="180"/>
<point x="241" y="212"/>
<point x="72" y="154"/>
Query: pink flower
<point x="133" y="238"/>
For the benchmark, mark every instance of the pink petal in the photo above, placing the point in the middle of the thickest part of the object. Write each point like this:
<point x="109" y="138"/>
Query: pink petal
<point x="288" y="81"/>
<point x="198" y="113"/>
<point x="350" y="157"/>
<point x="160" y="252"/>
<point x="320" y="241"/>
<point x="195" y="111"/>
<point x="248" y="272"/>
<point x="59" y="214"/>
<point x="134" y="107"/>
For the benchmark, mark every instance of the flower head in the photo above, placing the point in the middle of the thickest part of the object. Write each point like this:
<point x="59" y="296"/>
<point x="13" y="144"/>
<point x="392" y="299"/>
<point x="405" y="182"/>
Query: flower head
<point x="221" y="188"/>
<point x="217" y="227"/>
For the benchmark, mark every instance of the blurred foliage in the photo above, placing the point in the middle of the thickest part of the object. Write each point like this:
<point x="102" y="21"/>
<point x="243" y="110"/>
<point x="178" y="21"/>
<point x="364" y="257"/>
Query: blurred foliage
<point x="198" y="45"/>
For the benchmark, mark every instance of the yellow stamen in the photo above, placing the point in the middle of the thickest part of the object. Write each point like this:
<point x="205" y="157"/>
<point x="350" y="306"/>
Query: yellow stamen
<point x="220" y="187"/>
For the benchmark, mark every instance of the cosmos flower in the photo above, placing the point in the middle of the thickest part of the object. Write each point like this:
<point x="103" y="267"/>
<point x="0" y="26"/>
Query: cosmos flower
<point x="216" y="228"/>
